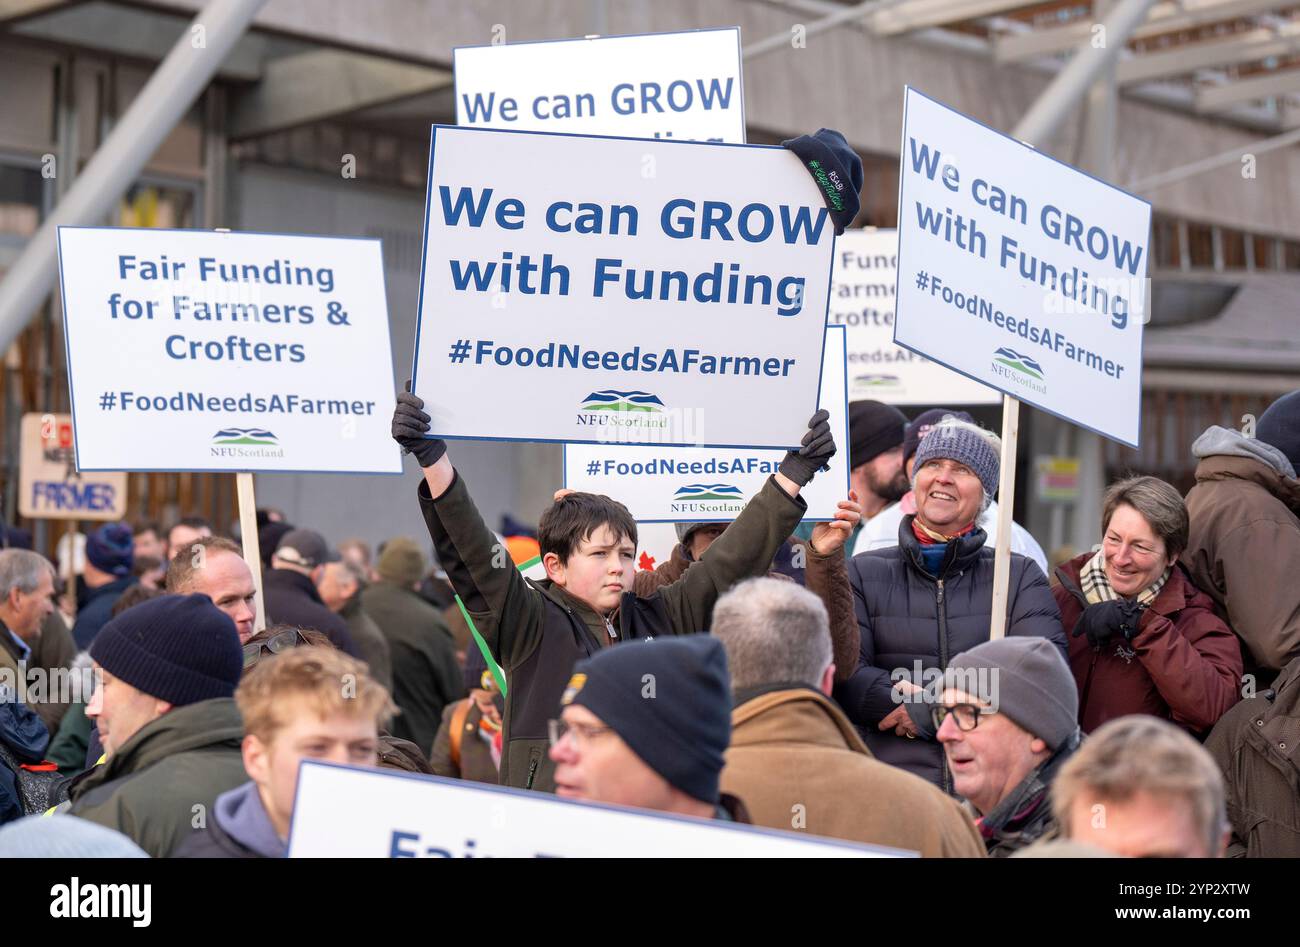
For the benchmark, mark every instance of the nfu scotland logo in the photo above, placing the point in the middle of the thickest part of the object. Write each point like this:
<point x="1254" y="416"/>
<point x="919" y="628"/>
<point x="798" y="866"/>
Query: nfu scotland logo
<point x="612" y="408"/>
<point x="720" y="498"/>
<point x="245" y="442"/>
<point x="245" y="435"/>
<point x="878" y="381"/>
<point x="1020" y="369"/>
<point x="607" y="399"/>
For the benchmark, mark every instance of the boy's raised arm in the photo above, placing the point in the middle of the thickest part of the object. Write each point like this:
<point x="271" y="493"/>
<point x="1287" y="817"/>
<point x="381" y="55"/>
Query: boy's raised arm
<point x="506" y="611"/>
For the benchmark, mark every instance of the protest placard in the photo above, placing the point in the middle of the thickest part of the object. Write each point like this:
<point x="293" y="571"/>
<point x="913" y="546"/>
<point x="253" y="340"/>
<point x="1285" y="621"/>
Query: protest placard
<point x="704" y="485"/>
<point x="1021" y="272"/>
<point x="190" y="350"/>
<point x="684" y="85"/>
<point x="862" y="300"/>
<point x="600" y="290"/>
<point x="351" y="812"/>
<point x="49" y="486"/>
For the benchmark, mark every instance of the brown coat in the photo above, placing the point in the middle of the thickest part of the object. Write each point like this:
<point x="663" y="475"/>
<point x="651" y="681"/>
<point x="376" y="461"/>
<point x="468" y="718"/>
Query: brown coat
<point x="797" y="762"/>
<point x="1257" y="745"/>
<point x="1184" y="663"/>
<point x="474" y="761"/>
<point x="826" y="577"/>
<point x="1243" y="549"/>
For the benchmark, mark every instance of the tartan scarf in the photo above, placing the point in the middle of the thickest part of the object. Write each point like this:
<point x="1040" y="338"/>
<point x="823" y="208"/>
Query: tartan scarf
<point x="1096" y="586"/>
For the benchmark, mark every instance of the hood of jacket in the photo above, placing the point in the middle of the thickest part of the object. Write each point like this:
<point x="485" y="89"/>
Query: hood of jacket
<point x="1226" y="442"/>
<point x="208" y="723"/>
<point x="1229" y="455"/>
<point x="241" y="815"/>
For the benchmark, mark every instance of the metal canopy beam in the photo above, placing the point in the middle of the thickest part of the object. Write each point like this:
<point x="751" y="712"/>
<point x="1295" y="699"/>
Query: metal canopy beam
<point x="138" y="34"/>
<point x="1231" y="156"/>
<point x="169" y="94"/>
<point x="12" y="11"/>
<point x="1248" y="46"/>
<point x="833" y="19"/>
<point x="1166" y="17"/>
<point x="1053" y="106"/>
<point x="1216" y="98"/>
<point x="919" y="14"/>
<point x="318" y="85"/>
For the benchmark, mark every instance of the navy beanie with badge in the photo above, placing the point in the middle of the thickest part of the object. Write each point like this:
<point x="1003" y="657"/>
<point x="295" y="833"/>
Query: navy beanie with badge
<point x="677" y="719"/>
<point x="837" y="170"/>
<point x="177" y="648"/>
<point x="111" y="549"/>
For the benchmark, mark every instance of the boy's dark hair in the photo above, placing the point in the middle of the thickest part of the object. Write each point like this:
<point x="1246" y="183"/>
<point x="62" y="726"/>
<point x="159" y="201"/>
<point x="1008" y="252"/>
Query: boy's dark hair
<point x="576" y="516"/>
<point x="148" y="526"/>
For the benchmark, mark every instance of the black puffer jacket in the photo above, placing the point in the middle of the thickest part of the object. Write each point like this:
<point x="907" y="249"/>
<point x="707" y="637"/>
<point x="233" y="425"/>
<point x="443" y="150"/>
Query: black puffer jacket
<point x="910" y="617"/>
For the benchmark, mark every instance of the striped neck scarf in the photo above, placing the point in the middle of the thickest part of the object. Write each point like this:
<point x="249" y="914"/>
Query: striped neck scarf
<point x="1096" y="586"/>
<point x="928" y="536"/>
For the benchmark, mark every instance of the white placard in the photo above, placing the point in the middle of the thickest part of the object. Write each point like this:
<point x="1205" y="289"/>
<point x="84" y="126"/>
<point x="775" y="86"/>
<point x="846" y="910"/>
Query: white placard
<point x="862" y="300"/>
<point x="539" y="250"/>
<point x="49" y="485"/>
<point x="703" y="485"/>
<point x="190" y="350"/>
<point x="350" y="812"/>
<point x="684" y="85"/>
<point x="1021" y="272"/>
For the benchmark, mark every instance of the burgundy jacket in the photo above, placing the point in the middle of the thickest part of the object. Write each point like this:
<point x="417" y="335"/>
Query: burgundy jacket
<point x="1184" y="664"/>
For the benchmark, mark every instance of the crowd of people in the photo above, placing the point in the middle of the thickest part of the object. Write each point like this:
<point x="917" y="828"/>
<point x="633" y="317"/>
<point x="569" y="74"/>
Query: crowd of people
<point x="834" y="678"/>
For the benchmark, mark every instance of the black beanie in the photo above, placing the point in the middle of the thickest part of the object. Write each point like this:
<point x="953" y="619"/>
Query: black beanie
<point x="873" y="429"/>
<point x="1279" y="427"/>
<point x="836" y="168"/>
<point x="670" y="701"/>
<point x="177" y="648"/>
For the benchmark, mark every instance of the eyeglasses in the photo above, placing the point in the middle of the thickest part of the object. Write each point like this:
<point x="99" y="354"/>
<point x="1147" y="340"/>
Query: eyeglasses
<point x="290" y="638"/>
<point x="580" y="733"/>
<point x="967" y="716"/>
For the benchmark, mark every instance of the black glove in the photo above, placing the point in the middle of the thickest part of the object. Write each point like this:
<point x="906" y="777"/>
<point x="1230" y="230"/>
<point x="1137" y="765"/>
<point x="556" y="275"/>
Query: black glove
<point x="836" y="169"/>
<point x="818" y="448"/>
<point x="1100" y="621"/>
<point x="410" y="425"/>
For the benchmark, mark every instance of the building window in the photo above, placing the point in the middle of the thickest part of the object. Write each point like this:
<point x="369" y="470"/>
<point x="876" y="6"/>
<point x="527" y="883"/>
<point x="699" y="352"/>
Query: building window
<point x="1234" y="248"/>
<point x="21" y="190"/>
<point x="1200" y="243"/>
<point x="1291" y="255"/>
<point x="1164" y="242"/>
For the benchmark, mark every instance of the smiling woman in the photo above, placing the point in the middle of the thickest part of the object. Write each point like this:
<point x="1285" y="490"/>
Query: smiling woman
<point x="1144" y="638"/>
<point x="955" y="476"/>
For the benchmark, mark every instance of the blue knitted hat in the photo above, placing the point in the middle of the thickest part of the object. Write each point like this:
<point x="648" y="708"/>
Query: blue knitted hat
<point x="111" y="549"/>
<point x="966" y="444"/>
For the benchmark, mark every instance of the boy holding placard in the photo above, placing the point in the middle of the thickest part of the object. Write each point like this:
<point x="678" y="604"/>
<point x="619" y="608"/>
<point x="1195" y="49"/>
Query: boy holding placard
<point x="537" y="631"/>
